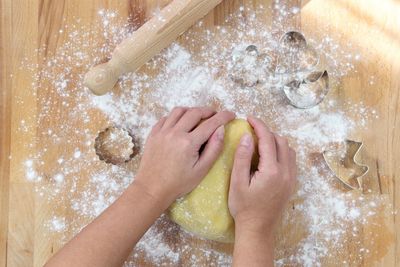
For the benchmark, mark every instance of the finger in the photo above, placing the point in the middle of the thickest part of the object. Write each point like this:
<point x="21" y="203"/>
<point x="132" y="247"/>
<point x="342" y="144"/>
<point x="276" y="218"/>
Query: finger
<point x="192" y="118"/>
<point x="242" y="163"/>
<point x="282" y="149"/>
<point x="211" y="151"/>
<point x="174" y="116"/>
<point x="266" y="143"/>
<point x="158" y="125"/>
<point x="203" y="132"/>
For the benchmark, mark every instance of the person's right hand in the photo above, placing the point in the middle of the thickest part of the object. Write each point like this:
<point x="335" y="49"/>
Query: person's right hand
<point x="257" y="201"/>
<point x="174" y="160"/>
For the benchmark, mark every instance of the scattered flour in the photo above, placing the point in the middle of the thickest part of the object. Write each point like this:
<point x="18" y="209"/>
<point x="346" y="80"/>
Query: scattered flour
<point x="321" y="128"/>
<point x="59" y="178"/>
<point x="57" y="224"/>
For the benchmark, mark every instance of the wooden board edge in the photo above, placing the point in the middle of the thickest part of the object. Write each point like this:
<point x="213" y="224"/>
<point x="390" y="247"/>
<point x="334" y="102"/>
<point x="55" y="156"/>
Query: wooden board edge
<point x="5" y="125"/>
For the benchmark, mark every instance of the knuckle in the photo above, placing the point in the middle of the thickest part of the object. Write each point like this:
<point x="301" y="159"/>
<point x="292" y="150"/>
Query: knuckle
<point x="274" y="171"/>
<point x="160" y="121"/>
<point x="170" y="135"/>
<point x="242" y="153"/>
<point x="256" y="119"/>
<point x="186" y="142"/>
<point x="222" y="116"/>
<point x="281" y="140"/>
<point x="228" y="114"/>
<point x="177" y="109"/>
<point x="225" y="112"/>
<point x="193" y="111"/>
<point x="269" y="137"/>
<point x="261" y="124"/>
<point x="219" y="118"/>
<point x="208" y="109"/>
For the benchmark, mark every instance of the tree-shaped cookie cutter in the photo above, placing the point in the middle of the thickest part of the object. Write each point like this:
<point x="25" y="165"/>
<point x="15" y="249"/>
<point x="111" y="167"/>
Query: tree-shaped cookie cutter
<point x="346" y="167"/>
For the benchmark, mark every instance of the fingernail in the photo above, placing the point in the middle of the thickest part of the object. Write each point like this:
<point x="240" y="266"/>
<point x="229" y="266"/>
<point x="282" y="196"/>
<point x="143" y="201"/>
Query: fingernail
<point x="221" y="132"/>
<point x="246" y="140"/>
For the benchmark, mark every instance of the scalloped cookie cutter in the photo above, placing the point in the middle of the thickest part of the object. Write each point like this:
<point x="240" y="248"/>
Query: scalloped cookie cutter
<point x="346" y="168"/>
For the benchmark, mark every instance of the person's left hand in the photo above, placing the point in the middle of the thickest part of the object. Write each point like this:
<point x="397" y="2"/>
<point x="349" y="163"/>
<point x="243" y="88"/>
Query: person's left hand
<point x="173" y="163"/>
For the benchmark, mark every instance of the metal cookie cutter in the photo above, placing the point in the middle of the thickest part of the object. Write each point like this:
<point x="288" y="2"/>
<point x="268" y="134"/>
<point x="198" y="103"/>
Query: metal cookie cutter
<point x="116" y="145"/>
<point x="308" y="92"/>
<point x="296" y="54"/>
<point x="305" y="83"/>
<point x="345" y="167"/>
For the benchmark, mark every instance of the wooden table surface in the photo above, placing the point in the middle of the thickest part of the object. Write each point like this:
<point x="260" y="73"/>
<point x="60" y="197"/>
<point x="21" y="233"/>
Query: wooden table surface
<point x="25" y="25"/>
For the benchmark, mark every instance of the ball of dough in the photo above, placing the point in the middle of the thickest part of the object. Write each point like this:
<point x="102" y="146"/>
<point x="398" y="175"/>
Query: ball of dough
<point x="204" y="211"/>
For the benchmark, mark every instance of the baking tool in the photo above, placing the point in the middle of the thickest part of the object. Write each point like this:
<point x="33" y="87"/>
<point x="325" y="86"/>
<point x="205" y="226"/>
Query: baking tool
<point x="345" y="165"/>
<point x="116" y="145"/>
<point x="246" y="70"/>
<point x="252" y="67"/>
<point x="147" y="41"/>
<point x="293" y="39"/>
<point x="295" y="54"/>
<point x="308" y="92"/>
<point x="306" y="83"/>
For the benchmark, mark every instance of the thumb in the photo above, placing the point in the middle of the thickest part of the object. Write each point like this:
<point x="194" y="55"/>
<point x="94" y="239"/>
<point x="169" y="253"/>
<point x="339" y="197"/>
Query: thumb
<point x="242" y="162"/>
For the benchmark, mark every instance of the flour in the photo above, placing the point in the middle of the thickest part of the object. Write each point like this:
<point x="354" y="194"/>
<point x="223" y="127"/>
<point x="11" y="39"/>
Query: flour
<point x="77" y="154"/>
<point x="57" y="224"/>
<point x="58" y="178"/>
<point x="183" y="75"/>
<point x="30" y="172"/>
<point x="321" y="129"/>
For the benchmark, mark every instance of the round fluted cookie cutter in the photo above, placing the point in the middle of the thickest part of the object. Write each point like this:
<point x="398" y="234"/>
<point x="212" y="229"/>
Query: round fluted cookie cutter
<point x="109" y="154"/>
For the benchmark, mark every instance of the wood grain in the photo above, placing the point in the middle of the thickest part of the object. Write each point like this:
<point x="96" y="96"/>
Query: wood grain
<point x="375" y="82"/>
<point x="373" y="25"/>
<point x="5" y="122"/>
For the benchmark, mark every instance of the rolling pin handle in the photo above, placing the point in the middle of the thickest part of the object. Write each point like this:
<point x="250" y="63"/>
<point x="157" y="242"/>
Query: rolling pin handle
<point x="147" y="41"/>
<point x="101" y="78"/>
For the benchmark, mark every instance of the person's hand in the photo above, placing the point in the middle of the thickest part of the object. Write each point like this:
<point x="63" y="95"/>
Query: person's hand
<point x="257" y="200"/>
<point x="174" y="160"/>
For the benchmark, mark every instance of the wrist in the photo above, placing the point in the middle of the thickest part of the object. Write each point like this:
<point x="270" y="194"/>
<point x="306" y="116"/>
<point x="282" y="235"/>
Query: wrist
<point x="254" y="244"/>
<point x="248" y="237"/>
<point x="153" y="193"/>
<point x="253" y="229"/>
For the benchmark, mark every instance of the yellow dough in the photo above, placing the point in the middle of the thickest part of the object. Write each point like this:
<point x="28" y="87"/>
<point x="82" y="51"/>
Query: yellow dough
<point x="204" y="211"/>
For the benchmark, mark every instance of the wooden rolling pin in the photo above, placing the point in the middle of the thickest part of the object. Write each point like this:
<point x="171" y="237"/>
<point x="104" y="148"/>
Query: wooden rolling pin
<point x="156" y="34"/>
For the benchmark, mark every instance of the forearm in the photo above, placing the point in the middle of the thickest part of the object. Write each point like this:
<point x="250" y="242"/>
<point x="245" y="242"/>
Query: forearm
<point x="253" y="248"/>
<point x="109" y="239"/>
